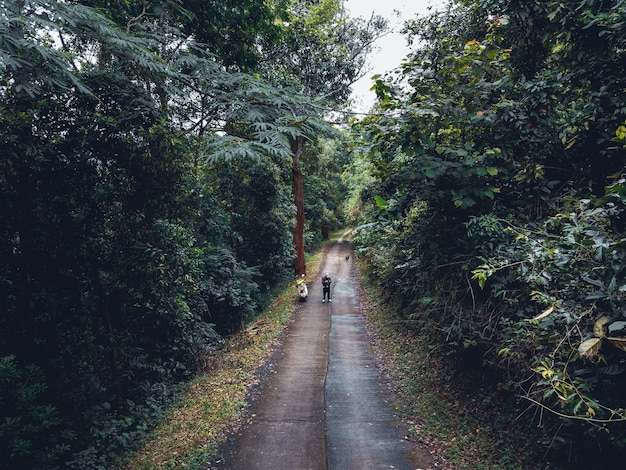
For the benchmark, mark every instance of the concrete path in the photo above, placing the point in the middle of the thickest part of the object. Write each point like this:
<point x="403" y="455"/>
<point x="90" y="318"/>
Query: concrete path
<point x="322" y="406"/>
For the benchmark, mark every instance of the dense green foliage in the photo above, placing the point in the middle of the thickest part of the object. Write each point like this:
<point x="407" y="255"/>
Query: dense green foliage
<point x="146" y="207"/>
<point x="495" y="211"/>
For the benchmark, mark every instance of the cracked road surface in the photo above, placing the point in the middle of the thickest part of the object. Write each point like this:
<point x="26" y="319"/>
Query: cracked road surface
<point x="322" y="406"/>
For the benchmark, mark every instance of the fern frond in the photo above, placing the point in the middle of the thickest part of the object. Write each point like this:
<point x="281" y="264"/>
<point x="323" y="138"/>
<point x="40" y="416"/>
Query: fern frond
<point x="227" y="148"/>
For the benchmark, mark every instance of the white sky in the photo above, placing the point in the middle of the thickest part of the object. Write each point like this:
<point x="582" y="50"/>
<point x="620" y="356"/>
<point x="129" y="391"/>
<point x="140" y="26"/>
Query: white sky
<point x="391" y="49"/>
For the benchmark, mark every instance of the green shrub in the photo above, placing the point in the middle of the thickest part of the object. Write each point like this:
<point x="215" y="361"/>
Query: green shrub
<point x="30" y="428"/>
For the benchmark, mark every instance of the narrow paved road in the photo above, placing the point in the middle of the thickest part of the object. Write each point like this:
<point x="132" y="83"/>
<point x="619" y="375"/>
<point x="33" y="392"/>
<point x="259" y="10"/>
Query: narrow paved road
<point x="322" y="406"/>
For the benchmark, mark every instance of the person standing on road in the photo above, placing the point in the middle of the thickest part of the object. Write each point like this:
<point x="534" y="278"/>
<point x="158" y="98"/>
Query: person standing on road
<point x="326" y="282"/>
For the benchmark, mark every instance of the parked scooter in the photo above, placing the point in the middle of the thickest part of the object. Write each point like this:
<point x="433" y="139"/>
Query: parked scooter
<point x="303" y="291"/>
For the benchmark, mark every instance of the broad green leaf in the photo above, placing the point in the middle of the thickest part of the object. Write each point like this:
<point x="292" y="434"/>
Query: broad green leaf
<point x="381" y="203"/>
<point x="577" y="406"/>
<point x="493" y="171"/>
<point x="616" y="326"/>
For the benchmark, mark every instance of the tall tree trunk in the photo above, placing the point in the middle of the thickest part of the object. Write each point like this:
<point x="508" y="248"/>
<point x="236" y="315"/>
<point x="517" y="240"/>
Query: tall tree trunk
<point x="325" y="231"/>
<point x="297" y="147"/>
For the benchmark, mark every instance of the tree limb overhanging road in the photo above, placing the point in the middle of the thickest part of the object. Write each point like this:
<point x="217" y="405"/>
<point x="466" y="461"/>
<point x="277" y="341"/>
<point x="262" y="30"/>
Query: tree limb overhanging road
<point x="321" y="405"/>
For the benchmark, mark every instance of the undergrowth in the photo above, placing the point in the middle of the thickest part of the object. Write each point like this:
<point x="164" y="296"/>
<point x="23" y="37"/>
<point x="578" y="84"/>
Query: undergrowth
<point x="461" y="414"/>
<point x="214" y="403"/>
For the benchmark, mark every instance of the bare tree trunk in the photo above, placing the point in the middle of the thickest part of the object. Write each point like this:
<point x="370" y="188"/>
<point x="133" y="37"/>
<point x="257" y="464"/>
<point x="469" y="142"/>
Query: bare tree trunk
<point x="297" y="147"/>
<point x="325" y="231"/>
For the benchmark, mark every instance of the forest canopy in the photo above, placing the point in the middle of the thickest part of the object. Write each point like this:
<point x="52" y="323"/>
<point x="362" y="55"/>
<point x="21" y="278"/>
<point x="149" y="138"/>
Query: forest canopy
<point x="147" y="202"/>
<point x="166" y="165"/>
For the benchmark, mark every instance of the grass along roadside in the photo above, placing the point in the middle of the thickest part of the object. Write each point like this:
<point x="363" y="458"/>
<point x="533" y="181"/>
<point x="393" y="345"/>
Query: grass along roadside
<point x="214" y="403"/>
<point x="456" y="413"/>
